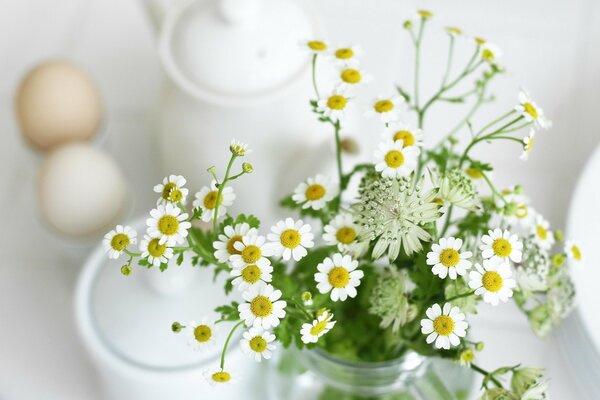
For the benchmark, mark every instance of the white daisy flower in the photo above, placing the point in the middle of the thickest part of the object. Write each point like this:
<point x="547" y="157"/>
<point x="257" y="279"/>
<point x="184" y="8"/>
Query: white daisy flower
<point x="206" y="199"/>
<point x="346" y="55"/>
<point x="352" y="77"/>
<point x="492" y="281"/>
<point x="252" y="251"/>
<point x="201" y="336"/>
<point x="521" y="213"/>
<point x="290" y="239"/>
<point x="224" y="247"/>
<point x="316" y="46"/>
<point x="334" y="105"/>
<point x="403" y="132"/>
<point x="155" y="252"/>
<point x="444" y="326"/>
<point x="315" y="192"/>
<point x="250" y="275"/>
<point x="541" y="233"/>
<point x="172" y="190"/>
<point x="446" y="259"/>
<point x="238" y="148"/>
<point x="339" y="276"/>
<point x="116" y="241"/>
<point x="386" y="108"/>
<point x="394" y="160"/>
<point x="169" y="224"/>
<point x="527" y="145"/>
<point x="530" y="111"/>
<point x="342" y="232"/>
<point x="573" y="251"/>
<point x="320" y="326"/>
<point x="216" y="376"/>
<point x="263" y="307"/>
<point x="257" y="343"/>
<point x="490" y="53"/>
<point x="501" y="246"/>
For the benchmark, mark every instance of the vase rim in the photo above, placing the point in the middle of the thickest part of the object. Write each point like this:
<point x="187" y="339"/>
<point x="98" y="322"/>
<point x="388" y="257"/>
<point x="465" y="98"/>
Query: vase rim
<point x="369" y="364"/>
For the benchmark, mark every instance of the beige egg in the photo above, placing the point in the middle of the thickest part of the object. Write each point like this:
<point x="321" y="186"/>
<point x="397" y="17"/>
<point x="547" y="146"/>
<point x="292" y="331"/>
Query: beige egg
<point x="57" y="102"/>
<point x="82" y="191"/>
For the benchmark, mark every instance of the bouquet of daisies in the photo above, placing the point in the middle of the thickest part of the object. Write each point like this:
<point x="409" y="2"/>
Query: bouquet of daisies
<point x="424" y="239"/>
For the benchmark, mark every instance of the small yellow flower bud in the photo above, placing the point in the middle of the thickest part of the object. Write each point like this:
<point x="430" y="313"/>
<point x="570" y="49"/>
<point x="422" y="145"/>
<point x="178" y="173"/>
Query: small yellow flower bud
<point x="479" y="346"/>
<point x="247" y="168"/>
<point x="559" y="235"/>
<point x="349" y="146"/>
<point x="126" y="269"/>
<point x="558" y="260"/>
<point x="466" y="356"/>
<point x="306" y="297"/>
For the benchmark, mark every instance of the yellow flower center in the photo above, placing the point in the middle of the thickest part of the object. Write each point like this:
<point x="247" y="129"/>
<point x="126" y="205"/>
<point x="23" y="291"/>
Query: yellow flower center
<point x="155" y="249"/>
<point x="337" y="102"/>
<point x="318" y="328"/>
<point x="210" y="200"/>
<point x="202" y="333"/>
<point x="474" y="173"/>
<point x="345" y="235"/>
<point x="480" y="41"/>
<point x="351" y="76"/>
<point x="576" y="251"/>
<point x="487" y="55"/>
<point x="317" y="45"/>
<point x="119" y="242"/>
<point x="251" y="254"/>
<point x="522" y="211"/>
<point x="258" y="344"/>
<point x="251" y="274"/>
<point x="531" y="110"/>
<point x="407" y="138"/>
<point x="290" y="238"/>
<point x="261" y="306"/>
<point x="167" y="190"/>
<point x="338" y="277"/>
<point x="344" y="54"/>
<point x="425" y="13"/>
<point x="443" y="325"/>
<point x="314" y="192"/>
<point x="168" y="225"/>
<point x="382" y="106"/>
<point x="502" y="247"/>
<point x="449" y="258"/>
<point x="175" y="195"/>
<point x="455" y="30"/>
<point x="541" y="232"/>
<point x="221" y="377"/>
<point x="394" y="159"/>
<point x="529" y="144"/>
<point x="231" y="242"/>
<point x="492" y="281"/>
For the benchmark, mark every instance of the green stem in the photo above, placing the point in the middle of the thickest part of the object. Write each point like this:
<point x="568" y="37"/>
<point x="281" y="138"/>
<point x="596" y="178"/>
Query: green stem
<point x="220" y="192"/>
<point x="418" y="61"/>
<point x="447" y="222"/>
<point x="131" y="254"/>
<point x="494" y="122"/>
<point x="301" y="307"/>
<point x="487" y="137"/>
<point x="449" y="63"/>
<point x="338" y="154"/>
<point x="314" y="74"/>
<point x="486" y="374"/>
<point x="492" y="187"/>
<point x="472" y="292"/>
<point x="227" y="343"/>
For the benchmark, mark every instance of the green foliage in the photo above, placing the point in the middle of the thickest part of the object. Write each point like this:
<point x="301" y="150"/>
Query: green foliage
<point x="229" y="312"/>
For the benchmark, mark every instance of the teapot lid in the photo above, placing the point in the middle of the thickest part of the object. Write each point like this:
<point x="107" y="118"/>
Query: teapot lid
<point x="235" y="51"/>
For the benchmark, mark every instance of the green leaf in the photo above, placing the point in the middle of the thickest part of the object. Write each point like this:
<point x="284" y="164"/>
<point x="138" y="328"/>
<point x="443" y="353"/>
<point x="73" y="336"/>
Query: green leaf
<point x="144" y="263"/>
<point x="179" y="260"/>
<point x="229" y="312"/>
<point x="163" y="267"/>
<point x="196" y="213"/>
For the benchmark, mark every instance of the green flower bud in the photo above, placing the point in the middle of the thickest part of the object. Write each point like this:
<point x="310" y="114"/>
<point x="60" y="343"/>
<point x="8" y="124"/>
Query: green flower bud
<point x="466" y="356"/>
<point x="558" y="260"/>
<point x="559" y="235"/>
<point x="518" y="189"/>
<point x="306" y="297"/>
<point x="524" y="378"/>
<point x="479" y="346"/>
<point x="212" y="170"/>
<point x="126" y="269"/>
<point x="247" y="168"/>
<point x="408" y="24"/>
<point x="176" y="327"/>
<point x="498" y="394"/>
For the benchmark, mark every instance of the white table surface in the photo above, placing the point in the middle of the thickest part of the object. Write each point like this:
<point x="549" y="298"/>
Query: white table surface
<point x="552" y="47"/>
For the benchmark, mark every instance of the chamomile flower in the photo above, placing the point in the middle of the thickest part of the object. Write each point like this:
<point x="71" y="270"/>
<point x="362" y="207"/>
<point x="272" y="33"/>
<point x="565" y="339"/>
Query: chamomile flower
<point x="403" y="132"/>
<point x="527" y="145"/>
<point x="492" y="281"/>
<point x="424" y="14"/>
<point x="541" y="233"/>
<point x="172" y="190"/>
<point x="342" y="232"/>
<point x="290" y="239"/>
<point x="263" y="307"/>
<point x="393" y="160"/>
<point x="155" y="252"/>
<point x="444" y="326"/>
<point x="311" y="332"/>
<point x="501" y="246"/>
<point x="116" y="241"/>
<point x="238" y="148"/>
<point x="169" y="224"/>
<point x="490" y="53"/>
<point x="206" y="199"/>
<point x="315" y="192"/>
<point x="573" y="251"/>
<point x="346" y="55"/>
<point x="454" y="31"/>
<point x="339" y="276"/>
<point x="334" y="105"/>
<point x="224" y="247"/>
<point x="447" y="260"/>
<point x="216" y="376"/>
<point x="352" y="77"/>
<point x="316" y="46"/>
<point x="530" y="111"/>
<point x="386" y="108"/>
<point x="516" y="210"/>
<point x="258" y="343"/>
<point x="201" y="336"/>
<point x="250" y="275"/>
<point x="251" y="251"/>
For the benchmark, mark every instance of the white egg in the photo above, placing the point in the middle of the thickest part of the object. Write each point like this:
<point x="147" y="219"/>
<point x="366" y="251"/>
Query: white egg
<point x="57" y="102"/>
<point x="82" y="191"/>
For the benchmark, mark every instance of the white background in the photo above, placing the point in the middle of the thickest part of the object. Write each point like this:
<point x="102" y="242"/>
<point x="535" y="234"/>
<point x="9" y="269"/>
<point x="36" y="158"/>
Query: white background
<point x="551" y="47"/>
